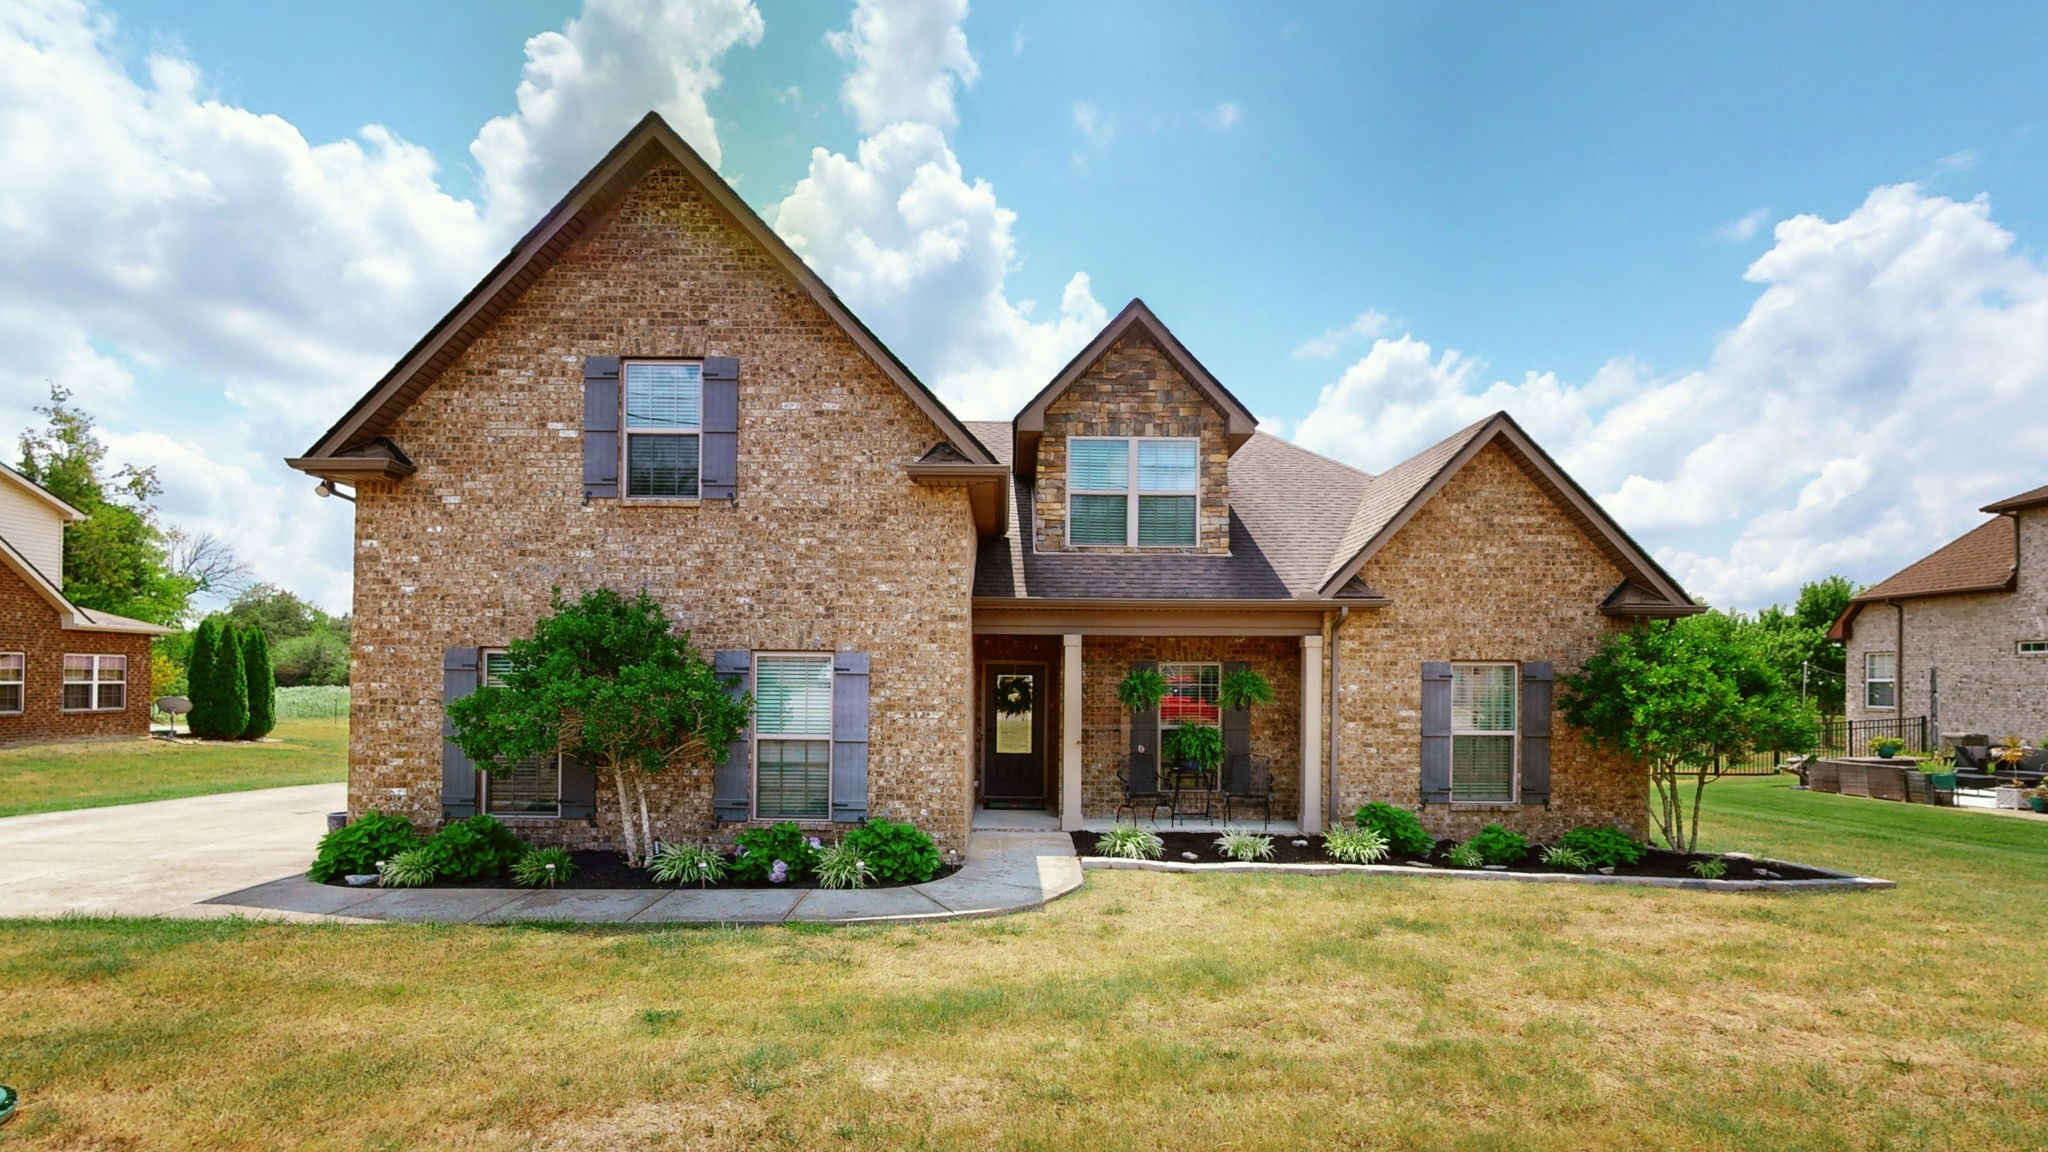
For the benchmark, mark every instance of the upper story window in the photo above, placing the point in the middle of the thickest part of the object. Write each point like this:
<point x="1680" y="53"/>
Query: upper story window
<point x="1483" y="732"/>
<point x="1132" y="489"/>
<point x="664" y="425"/>
<point x="95" y="683"/>
<point x="1880" y="680"/>
<point x="13" y="669"/>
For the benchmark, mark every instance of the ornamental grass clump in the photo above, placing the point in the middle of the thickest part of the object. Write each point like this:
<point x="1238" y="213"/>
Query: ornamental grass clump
<point x="1464" y="856"/>
<point x="840" y="866"/>
<point x="543" y="868"/>
<point x="687" y="864"/>
<point x="412" y="868"/>
<point x="1245" y="847"/>
<point x="1130" y="842"/>
<point x="1710" y="869"/>
<point x="1569" y="859"/>
<point x="1355" y="845"/>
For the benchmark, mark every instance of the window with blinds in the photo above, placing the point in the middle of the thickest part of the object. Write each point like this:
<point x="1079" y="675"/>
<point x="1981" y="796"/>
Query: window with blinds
<point x="664" y="413"/>
<point x="531" y="787"/>
<point x="792" y="737"/>
<point x="95" y="683"/>
<point x="1483" y="713"/>
<point x="1124" y="489"/>
<point x="1193" y="695"/>
<point x="13" y="681"/>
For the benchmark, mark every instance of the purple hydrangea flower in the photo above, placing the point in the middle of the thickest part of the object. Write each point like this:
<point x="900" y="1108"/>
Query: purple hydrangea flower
<point x="779" y="873"/>
<point x="815" y="843"/>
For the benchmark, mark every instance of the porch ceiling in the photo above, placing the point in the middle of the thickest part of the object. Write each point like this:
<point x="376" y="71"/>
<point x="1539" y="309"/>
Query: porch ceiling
<point x="1041" y="617"/>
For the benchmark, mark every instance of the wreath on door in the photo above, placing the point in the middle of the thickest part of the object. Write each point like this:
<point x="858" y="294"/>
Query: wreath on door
<point x="1013" y="695"/>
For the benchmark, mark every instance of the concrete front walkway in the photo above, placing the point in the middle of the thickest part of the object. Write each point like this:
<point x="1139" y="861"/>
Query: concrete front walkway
<point x="163" y="858"/>
<point x="1004" y="872"/>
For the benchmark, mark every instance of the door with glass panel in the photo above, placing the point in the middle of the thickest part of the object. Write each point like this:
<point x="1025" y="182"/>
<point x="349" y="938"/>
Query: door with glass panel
<point x="1013" y="736"/>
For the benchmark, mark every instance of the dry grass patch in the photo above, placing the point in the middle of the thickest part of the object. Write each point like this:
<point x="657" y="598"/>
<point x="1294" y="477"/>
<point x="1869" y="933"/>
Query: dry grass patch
<point x="1147" y="1011"/>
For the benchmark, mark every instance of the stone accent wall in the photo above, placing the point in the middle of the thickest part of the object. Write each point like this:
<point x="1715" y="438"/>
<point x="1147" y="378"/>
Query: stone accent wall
<point x="1986" y="686"/>
<point x="28" y="624"/>
<point x="1105" y="726"/>
<point x="829" y="547"/>
<point x="1491" y="569"/>
<point x="1134" y="390"/>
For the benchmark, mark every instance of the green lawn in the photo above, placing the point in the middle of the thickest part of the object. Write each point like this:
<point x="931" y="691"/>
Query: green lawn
<point x="91" y="774"/>
<point x="1147" y="1011"/>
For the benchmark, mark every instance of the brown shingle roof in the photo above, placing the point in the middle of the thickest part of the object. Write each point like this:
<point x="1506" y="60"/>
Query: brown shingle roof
<point x="2030" y="499"/>
<point x="1979" y="560"/>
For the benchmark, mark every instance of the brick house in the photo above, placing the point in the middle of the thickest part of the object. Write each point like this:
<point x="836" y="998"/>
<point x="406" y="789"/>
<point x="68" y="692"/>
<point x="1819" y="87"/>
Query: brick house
<point x="653" y="391"/>
<point x="66" y="672"/>
<point x="1961" y="635"/>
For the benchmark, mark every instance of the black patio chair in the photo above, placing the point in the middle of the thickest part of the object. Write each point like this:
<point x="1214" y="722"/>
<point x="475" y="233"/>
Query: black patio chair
<point x="1138" y="779"/>
<point x="1248" y="780"/>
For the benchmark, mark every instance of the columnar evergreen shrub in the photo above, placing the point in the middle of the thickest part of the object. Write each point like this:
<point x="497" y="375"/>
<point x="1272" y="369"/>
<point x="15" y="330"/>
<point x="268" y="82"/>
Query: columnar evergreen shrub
<point x="198" y="666"/>
<point x="262" y="692"/>
<point x="218" y="686"/>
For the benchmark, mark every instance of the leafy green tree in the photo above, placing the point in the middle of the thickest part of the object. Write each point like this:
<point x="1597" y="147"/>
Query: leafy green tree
<point x="280" y="614"/>
<point x="118" y="559"/>
<point x="608" y="681"/>
<point x="318" y="657"/>
<point x="1677" y="697"/>
<point x="219" y="685"/>
<point x="1821" y="603"/>
<point x="262" y="684"/>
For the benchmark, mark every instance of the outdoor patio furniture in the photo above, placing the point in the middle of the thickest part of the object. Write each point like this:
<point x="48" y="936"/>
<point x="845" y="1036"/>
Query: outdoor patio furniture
<point x="1198" y="782"/>
<point x="1248" y="780"/>
<point x="1138" y="779"/>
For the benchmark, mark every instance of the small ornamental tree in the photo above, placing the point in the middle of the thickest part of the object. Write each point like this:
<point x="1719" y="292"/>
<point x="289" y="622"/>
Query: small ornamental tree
<point x="606" y="680"/>
<point x="262" y="682"/>
<point x="1678" y="697"/>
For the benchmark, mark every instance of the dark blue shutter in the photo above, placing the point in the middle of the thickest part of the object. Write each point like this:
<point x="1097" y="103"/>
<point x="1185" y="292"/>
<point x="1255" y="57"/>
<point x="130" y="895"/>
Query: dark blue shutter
<point x="1237" y="739"/>
<point x="601" y="401"/>
<point x="1436" y="732"/>
<point x="732" y="784"/>
<point x="1145" y="735"/>
<point x="458" y="773"/>
<point x="579" y="790"/>
<point x="849" y="736"/>
<point x="719" y="459"/>
<point x="1537" y="678"/>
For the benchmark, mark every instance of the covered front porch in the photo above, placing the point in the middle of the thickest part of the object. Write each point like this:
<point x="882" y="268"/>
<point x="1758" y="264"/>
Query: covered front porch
<point x="1054" y="748"/>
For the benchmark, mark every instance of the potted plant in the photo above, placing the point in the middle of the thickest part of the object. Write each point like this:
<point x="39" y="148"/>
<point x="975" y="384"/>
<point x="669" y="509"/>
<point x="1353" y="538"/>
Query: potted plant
<point x="1244" y="689"/>
<point x="2009" y="755"/>
<point x="2037" y="797"/>
<point x="1886" y="747"/>
<point x="1195" y="747"/>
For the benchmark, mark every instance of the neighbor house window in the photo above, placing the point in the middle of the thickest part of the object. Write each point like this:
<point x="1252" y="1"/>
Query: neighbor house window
<point x="533" y="786"/>
<point x="1483" y="732"/>
<point x="1880" y="680"/>
<point x="95" y="683"/>
<point x="664" y="404"/>
<point x="1132" y="489"/>
<point x="13" y="669"/>
<point x="2033" y="647"/>
<point x="792" y="737"/>
<point x="1192" y="692"/>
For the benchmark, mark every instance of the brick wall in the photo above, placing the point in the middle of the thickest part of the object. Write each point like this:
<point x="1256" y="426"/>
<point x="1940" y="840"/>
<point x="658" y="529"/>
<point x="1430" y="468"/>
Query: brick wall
<point x="1986" y="686"/>
<point x="1134" y="390"/>
<point x="28" y="624"/>
<point x="1489" y="570"/>
<point x="829" y="547"/>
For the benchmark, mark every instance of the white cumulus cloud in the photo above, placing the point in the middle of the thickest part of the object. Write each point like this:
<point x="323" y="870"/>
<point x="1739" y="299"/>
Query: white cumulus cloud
<point x="908" y="58"/>
<point x="1365" y="326"/>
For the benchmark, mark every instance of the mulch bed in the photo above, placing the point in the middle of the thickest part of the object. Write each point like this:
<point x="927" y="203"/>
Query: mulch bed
<point x="1286" y="850"/>
<point x="598" y="869"/>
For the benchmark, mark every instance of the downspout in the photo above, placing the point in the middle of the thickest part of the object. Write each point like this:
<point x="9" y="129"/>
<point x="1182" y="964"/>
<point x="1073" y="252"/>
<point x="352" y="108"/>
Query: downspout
<point x="1330" y="788"/>
<point x="1898" y="671"/>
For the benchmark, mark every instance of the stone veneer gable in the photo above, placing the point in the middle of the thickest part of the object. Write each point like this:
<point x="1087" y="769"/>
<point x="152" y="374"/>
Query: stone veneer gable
<point x="1133" y="389"/>
<point x="829" y="547"/>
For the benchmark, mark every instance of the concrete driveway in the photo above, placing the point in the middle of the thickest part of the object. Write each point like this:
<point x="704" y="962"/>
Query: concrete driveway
<point x="162" y="858"/>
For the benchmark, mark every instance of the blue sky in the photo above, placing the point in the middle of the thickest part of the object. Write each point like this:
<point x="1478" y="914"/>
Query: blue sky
<point x="1567" y="210"/>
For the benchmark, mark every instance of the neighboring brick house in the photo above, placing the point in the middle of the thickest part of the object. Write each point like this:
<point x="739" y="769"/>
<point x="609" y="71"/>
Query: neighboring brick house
<point x="66" y="672"/>
<point x="652" y="391"/>
<point x="1960" y="636"/>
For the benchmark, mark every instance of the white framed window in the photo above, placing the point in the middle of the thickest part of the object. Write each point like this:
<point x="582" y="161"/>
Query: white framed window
<point x="663" y="427"/>
<point x="1880" y="680"/>
<point x="2032" y="648"/>
<point x="533" y="786"/>
<point x="1132" y="489"/>
<point x="1483" y="731"/>
<point x="792" y="736"/>
<point x="1193" y="695"/>
<point x="95" y="683"/>
<point x="13" y="682"/>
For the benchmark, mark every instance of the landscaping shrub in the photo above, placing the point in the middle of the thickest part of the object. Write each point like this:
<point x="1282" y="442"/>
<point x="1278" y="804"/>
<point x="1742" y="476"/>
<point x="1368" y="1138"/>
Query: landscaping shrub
<point x="1131" y="843"/>
<point x="840" y="866"/>
<point x="1559" y="856"/>
<point x="262" y="685"/>
<point x="355" y="848"/>
<point x="1398" y="826"/>
<point x="687" y="863"/>
<point x="1245" y="846"/>
<point x="758" y="850"/>
<point x="897" y="853"/>
<point x="478" y="846"/>
<point x="1603" y="847"/>
<point x="412" y="868"/>
<point x="219" y="688"/>
<point x="1497" y="845"/>
<point x="1712" y="869"/>
<point x="1355" y="845"/>
<point x="543" y="867"/>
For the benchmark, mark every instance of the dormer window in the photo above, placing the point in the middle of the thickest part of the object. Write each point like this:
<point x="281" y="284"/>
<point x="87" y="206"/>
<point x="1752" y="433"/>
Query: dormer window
<point x="1125" y="489"/>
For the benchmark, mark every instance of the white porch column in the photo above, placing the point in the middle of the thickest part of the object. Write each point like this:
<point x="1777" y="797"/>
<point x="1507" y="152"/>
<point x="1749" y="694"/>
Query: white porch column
<point x="1070" y="732"/>
<point x="1312" y="766"/>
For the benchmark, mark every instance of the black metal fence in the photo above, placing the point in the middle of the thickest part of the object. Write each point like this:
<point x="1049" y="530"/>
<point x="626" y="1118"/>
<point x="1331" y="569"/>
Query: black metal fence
<point x="1839" y="736"/>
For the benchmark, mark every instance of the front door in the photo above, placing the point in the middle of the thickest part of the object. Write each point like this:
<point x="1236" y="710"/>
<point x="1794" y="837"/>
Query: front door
<point x="1013" y="736"/>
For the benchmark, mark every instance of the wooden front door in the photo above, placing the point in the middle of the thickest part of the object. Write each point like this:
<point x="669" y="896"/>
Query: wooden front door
<point x="1013" y="699"/>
